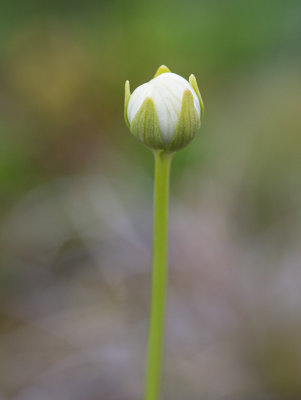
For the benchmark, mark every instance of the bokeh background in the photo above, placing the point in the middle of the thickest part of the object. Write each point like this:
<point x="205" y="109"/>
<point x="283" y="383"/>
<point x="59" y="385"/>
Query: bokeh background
<point x="76" y="201"/>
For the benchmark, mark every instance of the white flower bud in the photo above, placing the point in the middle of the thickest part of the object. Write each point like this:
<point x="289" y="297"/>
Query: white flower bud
<point x="164" y="113"/>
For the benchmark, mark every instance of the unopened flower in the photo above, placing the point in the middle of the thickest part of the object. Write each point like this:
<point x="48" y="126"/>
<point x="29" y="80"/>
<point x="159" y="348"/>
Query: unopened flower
<point x="164" y="113"/>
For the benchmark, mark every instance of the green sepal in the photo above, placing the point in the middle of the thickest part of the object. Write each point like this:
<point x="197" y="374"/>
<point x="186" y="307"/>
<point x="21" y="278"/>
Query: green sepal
<point x="145" y="125"/>
<point x="127" y="95"/>
<point x="194" y="84"/>
<point x="161" y="70"/>
<point x="188" y="123"/>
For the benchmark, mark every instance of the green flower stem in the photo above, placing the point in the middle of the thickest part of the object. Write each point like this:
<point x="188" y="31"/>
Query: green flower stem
<point x="159" y="275"/>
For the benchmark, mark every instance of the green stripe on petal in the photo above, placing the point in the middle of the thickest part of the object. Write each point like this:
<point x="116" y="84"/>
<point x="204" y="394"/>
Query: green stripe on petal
<point x="188" y="123"/>
<point x="145" y="125"/>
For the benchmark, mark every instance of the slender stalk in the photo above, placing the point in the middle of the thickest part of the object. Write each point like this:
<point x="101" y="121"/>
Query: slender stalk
<point x="159" y="275"/>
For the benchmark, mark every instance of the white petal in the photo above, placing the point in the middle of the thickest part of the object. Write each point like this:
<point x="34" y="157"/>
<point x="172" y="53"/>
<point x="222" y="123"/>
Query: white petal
<point x="137" y="98"/>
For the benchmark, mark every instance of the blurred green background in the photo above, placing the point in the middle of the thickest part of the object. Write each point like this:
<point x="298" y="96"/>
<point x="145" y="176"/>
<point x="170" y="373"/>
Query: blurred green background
<point x="76" y="201"/>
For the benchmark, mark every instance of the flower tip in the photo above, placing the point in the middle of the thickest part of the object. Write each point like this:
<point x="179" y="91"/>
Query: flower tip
<point x="161" y="70"/>
<point x="194" y="84"/>
<point x="127" y="95"/>
<point x="127" y="86"/>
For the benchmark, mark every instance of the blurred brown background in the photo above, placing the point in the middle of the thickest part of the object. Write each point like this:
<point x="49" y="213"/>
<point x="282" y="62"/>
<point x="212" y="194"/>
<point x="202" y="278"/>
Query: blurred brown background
<point x="76" y="201"/>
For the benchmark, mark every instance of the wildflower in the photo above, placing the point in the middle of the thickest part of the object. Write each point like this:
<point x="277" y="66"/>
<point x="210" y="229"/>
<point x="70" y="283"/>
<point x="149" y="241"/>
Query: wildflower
<point x="164" y="113"/>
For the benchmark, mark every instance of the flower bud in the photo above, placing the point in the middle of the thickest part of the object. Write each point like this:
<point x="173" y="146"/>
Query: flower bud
<point x="164" y="113"/>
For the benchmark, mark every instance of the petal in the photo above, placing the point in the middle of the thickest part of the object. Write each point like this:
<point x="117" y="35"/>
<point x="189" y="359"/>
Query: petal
<point x="177" y="84"/>
<point x="137" y="99"/>
<point x="168" y="107"/>
<point x="145" y="125"/>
